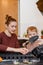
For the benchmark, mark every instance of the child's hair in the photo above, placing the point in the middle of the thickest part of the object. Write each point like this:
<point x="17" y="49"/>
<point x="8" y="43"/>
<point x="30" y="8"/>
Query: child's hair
<point x="32" y="28"/>
<point x="9" y="19"/>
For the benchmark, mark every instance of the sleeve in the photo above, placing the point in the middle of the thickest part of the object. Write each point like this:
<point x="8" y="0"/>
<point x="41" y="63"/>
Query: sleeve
<point x="2" y="46"/>
<point x="17" y="43"/>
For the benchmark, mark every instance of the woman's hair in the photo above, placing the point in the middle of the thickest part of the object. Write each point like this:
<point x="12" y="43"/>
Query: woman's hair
<point x="32" y="28"/>
<point x="9" y="19"/>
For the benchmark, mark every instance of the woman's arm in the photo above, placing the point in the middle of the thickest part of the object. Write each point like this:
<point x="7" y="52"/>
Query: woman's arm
<point x="3" y="47"/>
<point x="21" y="50"/>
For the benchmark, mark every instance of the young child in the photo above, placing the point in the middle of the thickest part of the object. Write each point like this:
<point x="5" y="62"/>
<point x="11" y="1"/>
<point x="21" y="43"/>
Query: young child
<point x="32" y="31"/>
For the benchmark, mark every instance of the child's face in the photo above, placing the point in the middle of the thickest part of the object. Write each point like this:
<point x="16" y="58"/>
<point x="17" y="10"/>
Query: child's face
<point x="32" y="33"/>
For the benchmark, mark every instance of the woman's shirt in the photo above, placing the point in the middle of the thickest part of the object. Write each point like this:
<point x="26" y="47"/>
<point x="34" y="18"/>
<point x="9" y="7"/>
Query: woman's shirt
<point x="6" y="41"/>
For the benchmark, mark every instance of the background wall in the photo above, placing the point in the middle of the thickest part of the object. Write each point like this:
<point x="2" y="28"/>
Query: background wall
<point x="9" y="7"/>
<point x="29" y="15"/>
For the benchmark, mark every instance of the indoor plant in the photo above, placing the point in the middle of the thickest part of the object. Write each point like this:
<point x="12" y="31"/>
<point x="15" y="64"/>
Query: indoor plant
<point x="41" y="34"/>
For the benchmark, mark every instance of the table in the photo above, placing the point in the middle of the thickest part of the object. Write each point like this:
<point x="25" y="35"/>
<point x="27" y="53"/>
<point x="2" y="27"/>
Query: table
<point x="11" y="63"/>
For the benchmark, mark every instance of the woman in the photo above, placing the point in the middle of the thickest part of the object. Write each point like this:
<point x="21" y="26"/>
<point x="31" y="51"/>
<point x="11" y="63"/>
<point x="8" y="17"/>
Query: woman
<point x="8" y="39"/>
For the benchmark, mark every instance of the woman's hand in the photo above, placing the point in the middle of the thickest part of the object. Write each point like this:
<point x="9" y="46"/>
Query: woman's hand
<point x="22" y="50"/>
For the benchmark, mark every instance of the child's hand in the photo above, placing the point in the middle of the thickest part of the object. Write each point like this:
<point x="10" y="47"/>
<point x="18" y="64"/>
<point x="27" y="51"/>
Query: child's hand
<point x="40" y="41"/>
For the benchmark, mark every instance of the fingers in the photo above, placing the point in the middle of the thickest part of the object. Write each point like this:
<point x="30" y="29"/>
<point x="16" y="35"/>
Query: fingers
<point x="23" y="44"/>
<point x="24" y="51"/>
